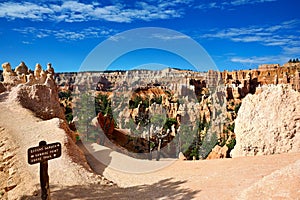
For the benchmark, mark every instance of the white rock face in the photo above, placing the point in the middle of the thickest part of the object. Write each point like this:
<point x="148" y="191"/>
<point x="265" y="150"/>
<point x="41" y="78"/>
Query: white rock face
<point x="41" y="99"/>
<point x="268" y="123"/>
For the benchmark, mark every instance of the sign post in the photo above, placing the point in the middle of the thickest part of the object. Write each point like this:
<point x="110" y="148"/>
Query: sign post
<point x="42" y="154"/>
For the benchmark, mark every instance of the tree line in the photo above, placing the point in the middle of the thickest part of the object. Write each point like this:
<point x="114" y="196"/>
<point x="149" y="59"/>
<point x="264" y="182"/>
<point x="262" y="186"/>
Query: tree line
<point x="294" y="60"/>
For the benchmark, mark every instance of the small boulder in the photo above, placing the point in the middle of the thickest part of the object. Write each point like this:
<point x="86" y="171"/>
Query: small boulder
<point x="181" y="156"/>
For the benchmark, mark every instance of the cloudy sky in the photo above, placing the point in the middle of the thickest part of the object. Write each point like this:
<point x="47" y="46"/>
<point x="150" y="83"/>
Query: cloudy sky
<point x="237" y="34"/>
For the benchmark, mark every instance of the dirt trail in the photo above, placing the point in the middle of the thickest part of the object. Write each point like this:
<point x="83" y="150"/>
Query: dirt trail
<point x="240" y="178"/>
<point x="20" y="130"/>
<point x="264" y="177"/>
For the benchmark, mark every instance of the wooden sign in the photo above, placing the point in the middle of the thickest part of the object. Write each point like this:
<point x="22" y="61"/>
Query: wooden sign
<point x="41" y="154"/>
<point x="44" y="153"/>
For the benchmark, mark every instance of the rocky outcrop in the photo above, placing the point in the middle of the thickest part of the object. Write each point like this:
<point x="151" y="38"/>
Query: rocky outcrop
<point x="9" y="76"/>
<point x="181" y="156"/>
<point x="119" y="140"/>
<point x="41" y="99"/>
<point x="242" y="82"/>
<point x="20" y="130"/>
<point x="34" y="90"/>
<point x="268" y="123"/>
<point x="23" y="75"/>
<point x="218" y="152"/>
<point x="192" y="98"/>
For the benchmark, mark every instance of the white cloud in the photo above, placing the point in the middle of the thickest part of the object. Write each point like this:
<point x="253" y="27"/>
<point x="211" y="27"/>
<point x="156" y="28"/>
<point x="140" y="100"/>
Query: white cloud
<point x="26" y="42"/>
<point x="295" y="51"/>
<point x="261" y="60"/>
<point x="244" y="2"/>
<point x="160" y="36"/>
<point x="253" y="60"/>
<point x="282" y="36"/>
<point x="116" y="38"/>
<point x="247" y="39"/>
<point x="74" y="11"/>
<point x="169" y="37"/>
<point x="173" y="3"/>
<point x="75" y="6"/>
<point x="229" y="4"/>
<point x="25" y="10"/>
<point x="65" y="35"/>
<point x="286" y="54"/>
<point x="276" y="35"/>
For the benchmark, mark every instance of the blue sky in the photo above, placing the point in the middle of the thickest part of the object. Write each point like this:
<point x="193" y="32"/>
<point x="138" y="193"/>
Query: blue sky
<point x="237" y="34"/>
<point x="148" y="57"/>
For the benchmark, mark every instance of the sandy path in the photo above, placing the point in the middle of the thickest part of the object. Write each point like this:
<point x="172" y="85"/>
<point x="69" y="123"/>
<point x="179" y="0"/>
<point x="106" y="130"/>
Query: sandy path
<point x="213" y="179"/>
<point x="264" y="177"/>
<point x="20" y="130"/>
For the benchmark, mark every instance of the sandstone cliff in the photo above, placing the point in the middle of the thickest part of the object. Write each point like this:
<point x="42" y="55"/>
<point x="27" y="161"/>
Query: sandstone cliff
<point x="195" y="99"/>
<point x="41" y="99"/>
<point x="34" y="90"/>
<point x="268" y="123"/>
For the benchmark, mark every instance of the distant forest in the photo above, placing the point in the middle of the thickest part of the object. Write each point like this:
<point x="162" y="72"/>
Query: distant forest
<point x="294" y="60"/>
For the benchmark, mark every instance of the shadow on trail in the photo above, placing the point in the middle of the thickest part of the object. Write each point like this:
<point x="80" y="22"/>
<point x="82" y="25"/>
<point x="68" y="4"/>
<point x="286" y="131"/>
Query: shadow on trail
<point x="97" y="166"/>
<point x="3" y="96"/>
<point x="164" y="189"/>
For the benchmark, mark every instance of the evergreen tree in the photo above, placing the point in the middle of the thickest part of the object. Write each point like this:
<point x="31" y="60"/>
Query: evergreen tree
<point x="209" y="142"/>
<point x="85" y="112"/>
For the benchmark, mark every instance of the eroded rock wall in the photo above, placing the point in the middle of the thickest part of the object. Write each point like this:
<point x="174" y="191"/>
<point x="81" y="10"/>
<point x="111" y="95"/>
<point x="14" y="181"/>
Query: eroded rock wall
<point x="268" y="123"/>
<point x="40" y="99"/>
<point x="34" y="90"/>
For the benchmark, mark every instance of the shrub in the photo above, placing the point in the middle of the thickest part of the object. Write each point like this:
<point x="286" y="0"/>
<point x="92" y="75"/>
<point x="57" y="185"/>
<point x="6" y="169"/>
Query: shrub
<point x="103" y="105"/>
<point x="231" y="144"/>
<point x="231" y="127"/>
<point x="169" y="122"/>
<point x="157" y="100"/>
<point x="194" y="152"/>
<point x="69" y="114"/>
<point x="64" y="95"/>
<point x="135" y="102"/>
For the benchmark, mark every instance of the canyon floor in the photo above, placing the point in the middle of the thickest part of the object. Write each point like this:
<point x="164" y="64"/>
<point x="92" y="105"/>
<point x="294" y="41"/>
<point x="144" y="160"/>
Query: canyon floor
<point x="261" y="177"/>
